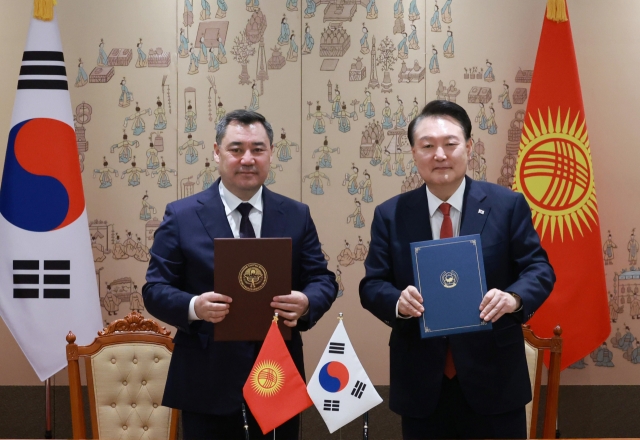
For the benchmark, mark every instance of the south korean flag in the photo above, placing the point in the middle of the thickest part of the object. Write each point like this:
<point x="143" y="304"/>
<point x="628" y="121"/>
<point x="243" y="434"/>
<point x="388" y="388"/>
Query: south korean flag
<point x="47" y="275"/>
<point x="340" y="388"/>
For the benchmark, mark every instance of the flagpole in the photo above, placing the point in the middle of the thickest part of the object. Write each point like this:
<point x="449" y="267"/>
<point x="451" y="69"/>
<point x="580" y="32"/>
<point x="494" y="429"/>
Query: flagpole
<point x="365" y="427"/>
<point x="275" y="319"/>
<point x="365" y="416"/>
<point x="47" y="408"/>
<point x="246" y="423"/>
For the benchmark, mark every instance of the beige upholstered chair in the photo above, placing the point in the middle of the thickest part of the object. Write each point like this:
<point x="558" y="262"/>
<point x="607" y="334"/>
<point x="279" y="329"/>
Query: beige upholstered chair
<point x="126" y="368"/>
<point x="534" y="348"/>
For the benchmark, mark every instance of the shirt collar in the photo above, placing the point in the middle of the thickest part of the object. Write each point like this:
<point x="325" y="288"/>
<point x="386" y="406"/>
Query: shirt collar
<point x="455" y="200"/>
<point x="231" y="202"/>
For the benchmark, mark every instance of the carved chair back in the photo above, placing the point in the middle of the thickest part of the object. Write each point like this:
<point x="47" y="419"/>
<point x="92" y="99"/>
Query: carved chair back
<point x="535" y="351"/>
<point x="126" y="369"/>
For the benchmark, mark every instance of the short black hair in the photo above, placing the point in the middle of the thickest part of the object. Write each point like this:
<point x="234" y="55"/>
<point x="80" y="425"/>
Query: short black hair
<point x="244" y="117"/>
<point x="442" y="108"/>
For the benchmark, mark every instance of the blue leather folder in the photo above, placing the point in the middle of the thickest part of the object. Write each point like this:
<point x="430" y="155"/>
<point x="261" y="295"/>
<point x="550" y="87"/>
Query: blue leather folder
<point x="449" y="274"/>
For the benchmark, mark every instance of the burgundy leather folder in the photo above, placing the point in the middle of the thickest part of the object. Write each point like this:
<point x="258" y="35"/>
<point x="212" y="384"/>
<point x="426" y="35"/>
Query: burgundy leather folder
<point x="251" y="271"/>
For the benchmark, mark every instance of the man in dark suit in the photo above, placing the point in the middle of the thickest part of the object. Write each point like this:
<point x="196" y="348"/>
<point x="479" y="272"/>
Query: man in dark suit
<point x="205" y="378"/>
<point x="473" y="385"/>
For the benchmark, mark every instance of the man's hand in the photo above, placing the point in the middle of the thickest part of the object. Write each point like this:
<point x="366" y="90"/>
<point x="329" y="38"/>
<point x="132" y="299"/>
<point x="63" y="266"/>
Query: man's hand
<point x="496" y="303"/>
<point x="212" y="307"/>
<point x="291" y="307"/>
<point x="410" y="302"/>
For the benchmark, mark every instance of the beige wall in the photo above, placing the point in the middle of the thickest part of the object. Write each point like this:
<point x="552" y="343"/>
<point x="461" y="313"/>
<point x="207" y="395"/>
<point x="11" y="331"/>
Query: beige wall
<point x="503" y="31"/>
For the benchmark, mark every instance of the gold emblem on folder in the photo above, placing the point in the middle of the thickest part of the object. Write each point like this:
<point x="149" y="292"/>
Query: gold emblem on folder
<point x="252" y="277"/>
<point x="449" y="279"/>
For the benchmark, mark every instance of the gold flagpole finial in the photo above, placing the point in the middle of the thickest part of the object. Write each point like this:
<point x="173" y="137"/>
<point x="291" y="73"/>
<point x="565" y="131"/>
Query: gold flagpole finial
<point x="275" y="317"/>
<point x="557" y="10"/>
<point x="43" y="9"/>
<point x="340" y="315"/>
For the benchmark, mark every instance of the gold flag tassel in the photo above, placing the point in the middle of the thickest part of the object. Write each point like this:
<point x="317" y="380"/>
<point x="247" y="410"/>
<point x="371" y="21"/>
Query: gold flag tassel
<point x="43" y="9"/>
<point x="557" y="10"/>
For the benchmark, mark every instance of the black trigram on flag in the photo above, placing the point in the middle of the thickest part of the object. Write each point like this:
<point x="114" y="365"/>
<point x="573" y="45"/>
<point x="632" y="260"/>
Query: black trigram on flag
<point x="358" y="389"/>
<point x="26" y="279"/>
<point x="331" y="405"/>
<point x="336" y="347"/>
<point x="42" y="70"/>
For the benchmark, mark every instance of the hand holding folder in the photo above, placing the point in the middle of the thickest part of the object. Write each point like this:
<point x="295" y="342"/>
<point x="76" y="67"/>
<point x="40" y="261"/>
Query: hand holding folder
<point x="212" y="306"/>
<point x="410" y="303"/>
<point x="253" y="272"/>
<point x="496" y="303"/>
<point x="449" y="274"/>
<point x="291" y="307"/>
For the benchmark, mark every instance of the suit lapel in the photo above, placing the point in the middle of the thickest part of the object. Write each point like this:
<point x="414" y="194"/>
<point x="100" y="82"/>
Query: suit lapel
<point x="475" y="209"/>
<point x="211" y="213"/>
<point x="413" y="213"/>
<point x="273" y="216"/>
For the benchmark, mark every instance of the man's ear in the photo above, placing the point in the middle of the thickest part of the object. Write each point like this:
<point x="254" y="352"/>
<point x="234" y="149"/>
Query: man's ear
<point x="469" y="147"/>
<point x="216" y="152"/>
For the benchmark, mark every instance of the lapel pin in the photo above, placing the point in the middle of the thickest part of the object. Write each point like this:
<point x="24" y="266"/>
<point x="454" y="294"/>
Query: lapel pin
<point x="480" y="211"/>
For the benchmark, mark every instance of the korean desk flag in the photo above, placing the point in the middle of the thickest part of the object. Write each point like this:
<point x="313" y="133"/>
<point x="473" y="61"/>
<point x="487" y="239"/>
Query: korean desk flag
<point x="340" y="388"/>
<point x="47" y="277"/>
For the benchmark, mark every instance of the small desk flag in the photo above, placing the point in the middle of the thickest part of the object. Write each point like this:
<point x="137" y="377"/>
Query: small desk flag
<point x="275" y="391"/>
<point x="340" y="388"/>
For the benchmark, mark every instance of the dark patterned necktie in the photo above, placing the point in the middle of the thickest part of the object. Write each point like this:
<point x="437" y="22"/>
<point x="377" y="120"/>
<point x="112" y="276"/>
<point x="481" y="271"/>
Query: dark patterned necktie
<point x="246" y="228"/>
<point x="446" y="231"/>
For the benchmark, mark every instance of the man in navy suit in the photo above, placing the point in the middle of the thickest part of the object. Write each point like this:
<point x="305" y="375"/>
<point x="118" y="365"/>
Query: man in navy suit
<point x="205" y="378"/>
<point x="473" y="385"/>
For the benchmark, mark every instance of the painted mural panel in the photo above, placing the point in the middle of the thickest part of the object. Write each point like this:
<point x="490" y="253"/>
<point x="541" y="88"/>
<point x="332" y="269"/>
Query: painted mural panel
<point x="339" y="80"/>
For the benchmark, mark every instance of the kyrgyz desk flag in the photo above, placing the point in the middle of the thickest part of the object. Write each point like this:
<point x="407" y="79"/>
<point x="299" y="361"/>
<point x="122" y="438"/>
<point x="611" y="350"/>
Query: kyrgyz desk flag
<point x="555" y="173"/>
<point x="275" y="391"/>
<point x="47" y="277"/>
<point x="340" y="388"/>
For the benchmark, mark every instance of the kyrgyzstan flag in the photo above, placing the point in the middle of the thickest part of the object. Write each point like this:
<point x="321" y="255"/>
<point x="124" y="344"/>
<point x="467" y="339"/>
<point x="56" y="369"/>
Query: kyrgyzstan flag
<point x="274" y="391"/>
<point x="555" y="174"/>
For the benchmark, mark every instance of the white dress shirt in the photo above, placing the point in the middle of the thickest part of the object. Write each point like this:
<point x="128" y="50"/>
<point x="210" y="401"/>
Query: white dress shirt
<point x="231" y="202"/>
<point x="436" y="217"/>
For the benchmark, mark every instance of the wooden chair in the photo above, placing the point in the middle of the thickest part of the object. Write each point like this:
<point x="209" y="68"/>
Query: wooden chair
<point x="126" y="368"/>
<point x="534" y="348"/>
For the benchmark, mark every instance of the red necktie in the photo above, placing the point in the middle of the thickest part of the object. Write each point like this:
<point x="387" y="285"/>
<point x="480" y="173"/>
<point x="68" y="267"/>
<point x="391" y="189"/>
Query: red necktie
<point x="446" y="231"/>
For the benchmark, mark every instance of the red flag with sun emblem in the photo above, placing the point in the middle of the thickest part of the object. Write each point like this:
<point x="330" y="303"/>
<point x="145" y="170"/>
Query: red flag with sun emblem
<point x="555" y="174"/>
<point x="275" y="391"/>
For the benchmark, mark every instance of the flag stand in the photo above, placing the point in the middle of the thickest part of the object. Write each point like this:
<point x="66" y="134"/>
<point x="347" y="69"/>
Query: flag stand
<point x="47" y="406"/>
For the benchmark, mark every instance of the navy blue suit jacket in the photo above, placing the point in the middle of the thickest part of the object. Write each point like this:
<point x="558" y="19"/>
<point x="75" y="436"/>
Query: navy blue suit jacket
<point x="207" y="376"/>
<point x="491" y="366"/>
